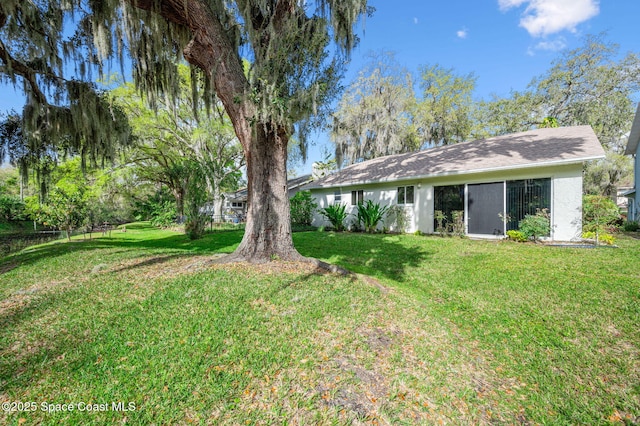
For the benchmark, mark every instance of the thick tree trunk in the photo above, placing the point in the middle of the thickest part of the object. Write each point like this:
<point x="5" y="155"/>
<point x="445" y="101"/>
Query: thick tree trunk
<point x="268" y="229"/>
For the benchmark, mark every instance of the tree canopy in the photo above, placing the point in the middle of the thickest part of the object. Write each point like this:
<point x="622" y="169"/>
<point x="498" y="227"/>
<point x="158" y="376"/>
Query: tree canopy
<point x="293" y="75"/>
<point x="590" y="85"/>
<point x="374" y="115"/>
<point x="380" y="114"/>
<point x="175" y="139"/>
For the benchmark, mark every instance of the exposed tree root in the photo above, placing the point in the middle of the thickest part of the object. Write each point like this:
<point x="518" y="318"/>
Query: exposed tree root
<point x="319" y="265"/>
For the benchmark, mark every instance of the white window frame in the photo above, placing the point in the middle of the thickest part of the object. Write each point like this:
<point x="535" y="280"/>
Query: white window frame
<point x="404" y="195"/>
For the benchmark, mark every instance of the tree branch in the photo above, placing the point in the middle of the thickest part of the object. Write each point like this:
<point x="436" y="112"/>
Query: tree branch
<point x="23" y="71"/>
<point x="211" y="50"/>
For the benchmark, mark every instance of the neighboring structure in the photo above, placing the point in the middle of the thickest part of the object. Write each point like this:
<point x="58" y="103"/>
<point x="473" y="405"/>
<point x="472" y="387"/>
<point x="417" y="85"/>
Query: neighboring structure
<point x="633" y="149"/>
<point x="235" y="203"/>
<point x="516" y="174"/>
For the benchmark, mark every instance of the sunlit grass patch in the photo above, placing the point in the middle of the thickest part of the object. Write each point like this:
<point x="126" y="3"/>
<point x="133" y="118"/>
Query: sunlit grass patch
<point x="444" y="330"/>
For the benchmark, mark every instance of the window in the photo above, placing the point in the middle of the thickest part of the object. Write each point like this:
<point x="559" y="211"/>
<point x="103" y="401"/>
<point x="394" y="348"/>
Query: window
<point x="337" y="197"/>
<point x="405" y="194"/>
<point x="357" y="197"/>
<point x="447" y="199"/>
<point x="524" y="197"/>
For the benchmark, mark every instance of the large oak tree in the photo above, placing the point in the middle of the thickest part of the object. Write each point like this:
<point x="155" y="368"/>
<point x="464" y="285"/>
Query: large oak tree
<point x="296" y="49"/>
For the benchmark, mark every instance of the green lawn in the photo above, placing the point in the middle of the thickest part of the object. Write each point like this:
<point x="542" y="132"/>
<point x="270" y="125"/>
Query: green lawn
<point x="448" y="330"/>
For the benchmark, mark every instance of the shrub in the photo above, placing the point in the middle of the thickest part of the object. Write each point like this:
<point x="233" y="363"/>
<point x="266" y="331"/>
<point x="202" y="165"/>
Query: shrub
<point x="598" y="213"/>
<point x="163" y="214"/>
<point x="370" y="214"/>
<point x="631" y="226"/>
<point x="515" y="235"/>
<point x="302" y="207"/>
<point x="440" y="217"/>
<point x="457" y="226"/>
<point x="335" y="214"/>
<point x="535" y="226"/>
<point x="195" y="197"/>
<point x="397" y="218"/>
<point x="11" y="208"/>
<point x="603" y="238"/>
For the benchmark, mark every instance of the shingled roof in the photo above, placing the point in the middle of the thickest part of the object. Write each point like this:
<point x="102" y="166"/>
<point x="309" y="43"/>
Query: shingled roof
<point x="634" y="135"/>
<point x="535" y="148"/>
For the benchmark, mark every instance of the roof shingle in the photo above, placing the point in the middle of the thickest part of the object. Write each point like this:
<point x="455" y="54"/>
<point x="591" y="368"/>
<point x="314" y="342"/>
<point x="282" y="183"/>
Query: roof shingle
<point x="562" y="145"/>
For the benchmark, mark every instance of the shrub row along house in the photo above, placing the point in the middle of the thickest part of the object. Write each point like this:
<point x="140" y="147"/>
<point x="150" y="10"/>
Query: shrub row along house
<point x="493" y="182"/>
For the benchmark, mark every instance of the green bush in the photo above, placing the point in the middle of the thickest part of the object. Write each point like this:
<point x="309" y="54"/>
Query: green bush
<point x="603" y="238"/>
<point x="515" y="235"/>
<point x="336" y="214"/>
<point x="163" y="214"/>
<point x="599" y="213"/>
<point x="303" y="205"/>
<point x="11" y="208"/>
<point x="457" y="224"/>
<point x="370" y="214"/>
<point x="631" y="226"/>
<point x="397" y="218"/>
<point x="536" y="226"/>
<point x="440" y="217"/>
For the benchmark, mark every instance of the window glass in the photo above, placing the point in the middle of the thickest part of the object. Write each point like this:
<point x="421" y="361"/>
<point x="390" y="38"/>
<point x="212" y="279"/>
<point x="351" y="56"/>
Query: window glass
<point x="409" y="195"/>
<point x="447" y="199"/>
<point x="526" y="196"/>
<point x="337" y="197"/>
<point x="405" y="194"/>
<point x="357" y="197"/>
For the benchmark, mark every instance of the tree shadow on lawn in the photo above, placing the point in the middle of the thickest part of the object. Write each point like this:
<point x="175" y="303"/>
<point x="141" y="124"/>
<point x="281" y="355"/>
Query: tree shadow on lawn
<point x="177" y="245"/>
<point x="370" y="254"/>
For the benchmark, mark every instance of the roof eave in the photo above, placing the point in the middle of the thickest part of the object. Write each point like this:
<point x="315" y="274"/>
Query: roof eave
<point x="634" y="134"/>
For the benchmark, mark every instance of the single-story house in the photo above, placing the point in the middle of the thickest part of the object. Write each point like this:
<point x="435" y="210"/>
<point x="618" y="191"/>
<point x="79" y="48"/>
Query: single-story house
<point x="633" y="148"/>
<point x="495" y="182"/>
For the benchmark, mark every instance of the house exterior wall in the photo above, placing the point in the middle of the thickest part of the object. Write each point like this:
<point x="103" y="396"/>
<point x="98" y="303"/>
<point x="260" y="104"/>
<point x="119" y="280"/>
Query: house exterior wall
<point x="384" y="194"/>
<point x="634" y="201"/>
<point x="566" y="200"/>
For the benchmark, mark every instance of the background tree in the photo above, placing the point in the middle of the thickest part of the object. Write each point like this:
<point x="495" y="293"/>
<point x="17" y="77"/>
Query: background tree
<point x="598" y="214"/>
<point x="374" y="116"/>
<point x="584" y="86"/>
<point x="178" y="134"/>
<point x="67" y="203"/>
<point x="380" y="114"/>
<point x="444" y="111"/>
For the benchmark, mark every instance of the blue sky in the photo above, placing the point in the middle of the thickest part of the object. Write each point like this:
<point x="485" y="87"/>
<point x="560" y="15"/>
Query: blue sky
<point x="505" y="43"/>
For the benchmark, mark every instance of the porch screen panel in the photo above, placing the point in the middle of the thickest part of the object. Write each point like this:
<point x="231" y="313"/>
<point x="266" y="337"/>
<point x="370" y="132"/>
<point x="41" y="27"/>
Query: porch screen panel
<point x="448" y="199"/>
<point x="524" y="197"/>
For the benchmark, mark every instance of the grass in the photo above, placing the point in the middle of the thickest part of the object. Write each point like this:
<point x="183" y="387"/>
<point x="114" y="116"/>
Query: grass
<point x="450" y="331"/>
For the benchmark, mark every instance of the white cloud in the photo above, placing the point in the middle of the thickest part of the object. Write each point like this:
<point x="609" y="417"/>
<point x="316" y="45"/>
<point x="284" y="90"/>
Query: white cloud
<point x="508" y="4"/>
<point x="462" y="33"/>
<point x="544" y="17"/>
<point x="553" y="45"/>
